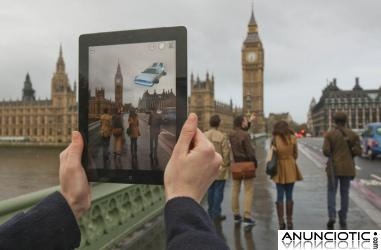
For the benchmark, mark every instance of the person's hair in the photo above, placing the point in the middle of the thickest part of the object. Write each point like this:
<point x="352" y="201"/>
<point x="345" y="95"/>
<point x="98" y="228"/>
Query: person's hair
<point x="340" y="118"/>
<point x="282" y="129"/>
<point x="132" y="113"/>
<point x="105" y="110"/>
<point x="238" y="121"/>
<point x="214" y="121"/>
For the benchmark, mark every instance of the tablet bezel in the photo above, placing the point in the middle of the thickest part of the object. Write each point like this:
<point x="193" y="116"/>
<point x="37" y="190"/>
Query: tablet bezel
<point x="178" y="34"/>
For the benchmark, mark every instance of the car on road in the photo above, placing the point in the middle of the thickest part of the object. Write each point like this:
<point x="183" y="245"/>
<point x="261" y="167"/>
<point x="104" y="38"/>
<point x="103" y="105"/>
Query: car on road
<point x="371" y="140"/>
<point x="151" y="75"/>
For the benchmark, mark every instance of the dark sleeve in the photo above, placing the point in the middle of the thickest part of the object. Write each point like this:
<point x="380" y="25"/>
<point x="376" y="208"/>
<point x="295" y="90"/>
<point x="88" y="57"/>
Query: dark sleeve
<point x="49" y="225"/>
<point x="327" y="146"/>
<point x="356" y="145"/>
<point x="188" y="226"/>
<point x="249" y="149"/>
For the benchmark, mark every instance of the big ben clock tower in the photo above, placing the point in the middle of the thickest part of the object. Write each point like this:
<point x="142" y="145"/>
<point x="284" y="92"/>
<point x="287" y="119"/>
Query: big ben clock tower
<point x="118" y="87"/>
<point x="252" y="74"/>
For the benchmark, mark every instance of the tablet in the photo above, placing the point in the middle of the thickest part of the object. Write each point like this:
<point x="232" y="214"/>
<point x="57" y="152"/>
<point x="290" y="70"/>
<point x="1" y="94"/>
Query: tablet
<point x="132" y="102"/>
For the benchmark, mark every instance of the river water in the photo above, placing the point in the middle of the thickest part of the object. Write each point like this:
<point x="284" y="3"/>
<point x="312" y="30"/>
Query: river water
<point x="24" y="169"/>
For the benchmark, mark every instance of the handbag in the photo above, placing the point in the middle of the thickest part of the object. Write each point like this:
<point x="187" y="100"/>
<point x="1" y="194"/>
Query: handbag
<point x="128" y="131"/>
<point x="271" y="161"/>
<point x="243" y="170"/>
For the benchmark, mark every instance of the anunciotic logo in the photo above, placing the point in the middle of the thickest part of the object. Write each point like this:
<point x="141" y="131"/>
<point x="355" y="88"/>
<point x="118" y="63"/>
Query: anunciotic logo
<point x="328" y="239"/>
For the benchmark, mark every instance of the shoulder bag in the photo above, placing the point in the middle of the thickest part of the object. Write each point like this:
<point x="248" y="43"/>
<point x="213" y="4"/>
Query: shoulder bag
<point x="272" y="160"/>
<point x="244" y="169"/>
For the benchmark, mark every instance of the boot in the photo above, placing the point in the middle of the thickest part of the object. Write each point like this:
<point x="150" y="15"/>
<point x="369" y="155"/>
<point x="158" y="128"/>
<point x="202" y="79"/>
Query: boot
<point x="280" y="212"/>
<point x="289" y="208"/>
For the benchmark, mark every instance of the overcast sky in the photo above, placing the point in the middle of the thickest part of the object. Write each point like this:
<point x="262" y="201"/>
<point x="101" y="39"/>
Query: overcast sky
<point x="133" y="59"/>
<point x="306" y="42"/>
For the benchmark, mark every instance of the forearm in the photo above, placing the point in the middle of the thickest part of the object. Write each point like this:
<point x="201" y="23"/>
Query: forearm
<point x="189" y="227"/>
<point x="49" y="225"/>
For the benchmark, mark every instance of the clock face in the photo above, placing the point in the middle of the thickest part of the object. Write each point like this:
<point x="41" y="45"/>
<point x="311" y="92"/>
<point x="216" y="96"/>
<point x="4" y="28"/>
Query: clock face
<point x="251" y="57"/>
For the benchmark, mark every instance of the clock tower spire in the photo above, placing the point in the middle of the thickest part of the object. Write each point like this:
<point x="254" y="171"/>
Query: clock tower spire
<point x="118" y="87"/>
<point x="252" y="75"/>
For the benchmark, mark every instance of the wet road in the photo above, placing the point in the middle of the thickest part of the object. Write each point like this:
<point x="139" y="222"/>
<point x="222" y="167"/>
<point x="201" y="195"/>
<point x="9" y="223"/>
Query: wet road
<point x="368" y="172"/>
<point x="309" y="211"/>
<point x="144" y="162"/>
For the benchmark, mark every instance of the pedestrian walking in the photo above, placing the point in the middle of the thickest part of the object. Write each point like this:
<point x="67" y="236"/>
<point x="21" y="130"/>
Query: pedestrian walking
<point x="340" y="145"/>
<point x="106" y="129"/>
<point x="117" y="131"/>
<point x="216" y="190"/>
<point x="286" y="148"/>
<point x="134" y="133"/>
<point x="243" y="151"/>
<point x="154" y="121"/>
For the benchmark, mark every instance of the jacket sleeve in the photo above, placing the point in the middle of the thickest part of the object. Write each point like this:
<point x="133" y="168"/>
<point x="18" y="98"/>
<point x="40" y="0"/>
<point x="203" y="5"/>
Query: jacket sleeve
<point x="249" y="149"/>
<point x="295" y="149"/>
<point x="356" y="145"/>
<point x="49" y="225"/>
<point x="225" y="152"/>
<point x="327" y="146"/>
<point x="188" y="226"/>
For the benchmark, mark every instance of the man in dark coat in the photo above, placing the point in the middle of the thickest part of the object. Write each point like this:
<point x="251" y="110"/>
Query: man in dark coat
<point x="340" y="145"/>
<point x="154" y="121"/>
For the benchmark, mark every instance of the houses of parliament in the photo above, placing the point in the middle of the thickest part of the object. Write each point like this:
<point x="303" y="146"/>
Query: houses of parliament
<point x="42" y="121"/>
<point x="53" y="120"/>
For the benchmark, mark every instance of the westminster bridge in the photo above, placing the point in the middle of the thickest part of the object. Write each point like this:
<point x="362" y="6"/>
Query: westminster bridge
<point x="126" y="216"/>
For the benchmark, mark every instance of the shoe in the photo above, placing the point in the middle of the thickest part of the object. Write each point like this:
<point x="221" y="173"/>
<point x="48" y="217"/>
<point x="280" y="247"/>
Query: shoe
<point x="220" y="217"/>
<point x="237" y="219"/>
<point x="248" y="222"/>
<point x="331" y="224"/>
<point x="342" y="222"/>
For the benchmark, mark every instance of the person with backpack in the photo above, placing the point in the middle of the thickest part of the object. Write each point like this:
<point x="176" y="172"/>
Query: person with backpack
<point x="216" y="190"/>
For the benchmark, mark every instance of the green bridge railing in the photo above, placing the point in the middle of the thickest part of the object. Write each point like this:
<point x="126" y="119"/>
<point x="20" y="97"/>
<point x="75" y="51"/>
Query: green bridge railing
<point x="117" y="211"/>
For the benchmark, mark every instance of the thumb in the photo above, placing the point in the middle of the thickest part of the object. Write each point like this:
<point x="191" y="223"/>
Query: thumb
<point x="76" y="146"/>
<point x="187" y="133"/>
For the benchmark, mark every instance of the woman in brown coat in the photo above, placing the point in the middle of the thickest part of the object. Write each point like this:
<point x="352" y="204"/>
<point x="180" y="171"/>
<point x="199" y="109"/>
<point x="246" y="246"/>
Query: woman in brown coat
<point x="134" y="133"/>
<point x="287" y="171"/>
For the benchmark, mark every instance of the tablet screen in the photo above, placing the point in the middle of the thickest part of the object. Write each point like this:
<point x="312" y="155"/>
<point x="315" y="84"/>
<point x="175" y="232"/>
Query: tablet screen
<point x="131" y="105"/>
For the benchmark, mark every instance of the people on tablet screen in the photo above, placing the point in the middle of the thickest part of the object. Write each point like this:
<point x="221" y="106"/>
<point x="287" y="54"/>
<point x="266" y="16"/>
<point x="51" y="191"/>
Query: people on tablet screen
<point x="134" y="133"/>
<point x="154" y="121"/>
<point x="193" y="166"/>
<point x="106" y="129"/>
<point x="117" y="132"/>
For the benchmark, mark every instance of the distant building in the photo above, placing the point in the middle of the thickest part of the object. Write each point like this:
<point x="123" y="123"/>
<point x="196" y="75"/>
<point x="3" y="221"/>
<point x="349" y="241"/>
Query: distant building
<point x="362" y="106"/>
<point x="98" y="103"/>
<point x="310" y="124"/>
<point x="274" y="118"/>
<point x="159" y="101"/>
<point x="44" y="121"/>
<point x="202" y="102"/>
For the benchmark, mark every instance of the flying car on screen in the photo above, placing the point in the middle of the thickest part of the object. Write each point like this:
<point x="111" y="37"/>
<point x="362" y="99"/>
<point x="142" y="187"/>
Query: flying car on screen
<point x="151" y="75"/>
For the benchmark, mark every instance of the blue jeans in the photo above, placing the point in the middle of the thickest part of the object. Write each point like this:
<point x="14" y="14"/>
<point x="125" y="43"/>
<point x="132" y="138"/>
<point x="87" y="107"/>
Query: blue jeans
<point x="332" y="183"/>
<point x="283" y="189"/>
<point x="215" y="197"/>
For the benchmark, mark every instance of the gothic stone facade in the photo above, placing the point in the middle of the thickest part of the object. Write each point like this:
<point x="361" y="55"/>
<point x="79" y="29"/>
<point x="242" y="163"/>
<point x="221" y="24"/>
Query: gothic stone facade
<point x="203" y="103"/>
<point x="42" y="121"/>
<point x="362" y="107"/>
<point x="161" y="101"/>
